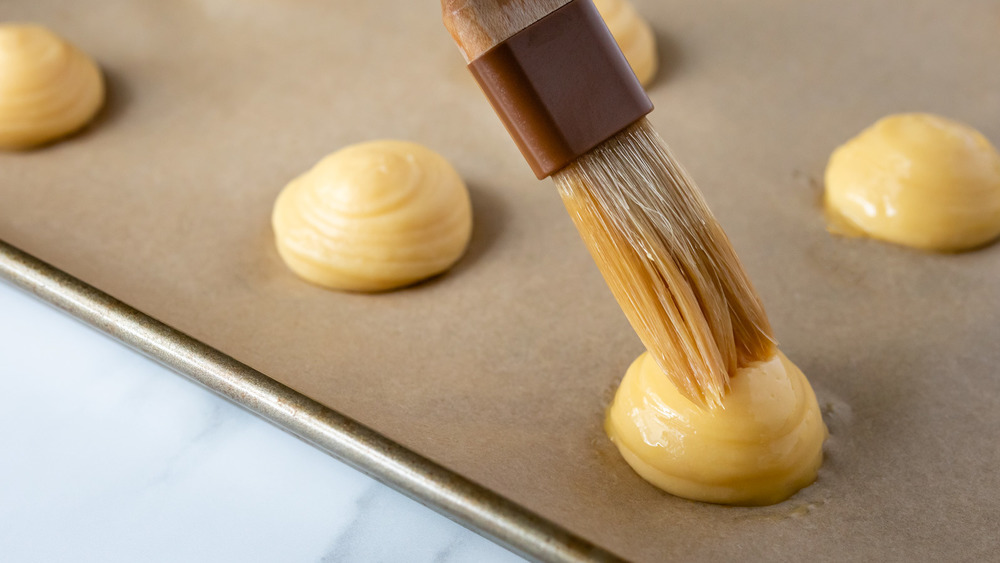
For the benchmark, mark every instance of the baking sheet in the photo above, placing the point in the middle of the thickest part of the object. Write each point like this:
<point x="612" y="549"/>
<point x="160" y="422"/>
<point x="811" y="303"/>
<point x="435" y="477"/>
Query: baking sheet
<point x="500" y="370"/>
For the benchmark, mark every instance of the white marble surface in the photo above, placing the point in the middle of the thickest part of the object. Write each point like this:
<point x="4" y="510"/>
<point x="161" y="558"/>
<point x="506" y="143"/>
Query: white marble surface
<point x="107" y="456"/>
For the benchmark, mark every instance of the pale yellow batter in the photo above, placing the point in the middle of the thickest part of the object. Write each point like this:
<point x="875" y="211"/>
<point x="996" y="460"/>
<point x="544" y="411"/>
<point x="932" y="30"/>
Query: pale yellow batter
<point x="766" y="444"/>
<point x="916" y="179"/>
<point x="374" y="216"/>
<point x="48" y="88"/>
<point x="633" y="34"/>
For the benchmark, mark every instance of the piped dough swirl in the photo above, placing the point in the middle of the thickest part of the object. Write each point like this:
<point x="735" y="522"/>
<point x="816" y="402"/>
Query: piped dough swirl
<point x="633" y="34"/>
<point x="48" y="88"/>
<point x="916" y="179"/>
<point x="374" y="216"/>
<point x="762" y="447"/>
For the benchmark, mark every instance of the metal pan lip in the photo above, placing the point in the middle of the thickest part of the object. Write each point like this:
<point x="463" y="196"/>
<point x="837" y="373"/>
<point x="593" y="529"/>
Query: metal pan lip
<point x="443" y="490"/>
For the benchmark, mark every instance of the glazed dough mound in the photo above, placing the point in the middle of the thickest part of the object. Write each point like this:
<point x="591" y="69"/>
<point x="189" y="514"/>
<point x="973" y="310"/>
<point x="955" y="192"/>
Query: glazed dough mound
<point x="634" y="36"/>
<point x="48" y="88"/>
<point x="374" y="216"/>
<point x="766" y="444"/>
<point x="916" y="179"/>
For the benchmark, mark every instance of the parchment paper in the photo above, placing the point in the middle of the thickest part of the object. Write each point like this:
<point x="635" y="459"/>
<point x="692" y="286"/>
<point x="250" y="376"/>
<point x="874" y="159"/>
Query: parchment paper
<point x="501" y="369"/>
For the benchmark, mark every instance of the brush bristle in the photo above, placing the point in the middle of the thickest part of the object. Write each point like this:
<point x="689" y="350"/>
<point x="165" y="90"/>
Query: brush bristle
<point x="667" y="261"/>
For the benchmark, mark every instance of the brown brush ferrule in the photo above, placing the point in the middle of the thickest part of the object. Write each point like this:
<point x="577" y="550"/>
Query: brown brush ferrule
<point x="561" y="86"/>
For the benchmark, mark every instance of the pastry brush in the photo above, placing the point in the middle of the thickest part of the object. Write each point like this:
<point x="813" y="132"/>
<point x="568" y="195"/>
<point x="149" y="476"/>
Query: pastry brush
<point x="565" y="93"/>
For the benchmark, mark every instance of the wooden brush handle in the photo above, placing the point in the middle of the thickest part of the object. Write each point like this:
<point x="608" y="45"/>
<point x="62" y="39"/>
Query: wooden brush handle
<point x="561" y="86"/>
<point x="479" y="25"/>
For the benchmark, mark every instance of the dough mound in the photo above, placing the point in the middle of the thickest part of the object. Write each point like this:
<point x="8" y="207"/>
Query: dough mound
<point x="919" y="180"/>
<point x="766" y="444"/>
<point x="48" y="88"/>
<point x="374" y="216"/>
<point x="634" y="36"/>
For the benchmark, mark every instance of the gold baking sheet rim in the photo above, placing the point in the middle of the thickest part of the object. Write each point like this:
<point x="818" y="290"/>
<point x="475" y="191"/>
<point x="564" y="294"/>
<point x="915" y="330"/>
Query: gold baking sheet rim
<point x="364" y="449"/>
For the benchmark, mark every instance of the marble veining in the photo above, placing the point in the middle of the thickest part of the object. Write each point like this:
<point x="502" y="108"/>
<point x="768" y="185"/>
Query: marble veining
<point x="107" y="456"/>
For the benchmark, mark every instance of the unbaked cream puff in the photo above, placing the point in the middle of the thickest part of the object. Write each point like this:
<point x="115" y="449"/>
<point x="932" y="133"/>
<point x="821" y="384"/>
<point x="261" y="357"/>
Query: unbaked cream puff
<point x="763" y="445"/>
<point x="48" y="88"/>
<point x="374" y="216"/>
<point x="916" y="179"/>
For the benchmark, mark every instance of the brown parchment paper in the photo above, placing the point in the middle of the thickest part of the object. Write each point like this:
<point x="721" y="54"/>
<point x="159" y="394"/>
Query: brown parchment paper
<point x="502" y="368"/>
